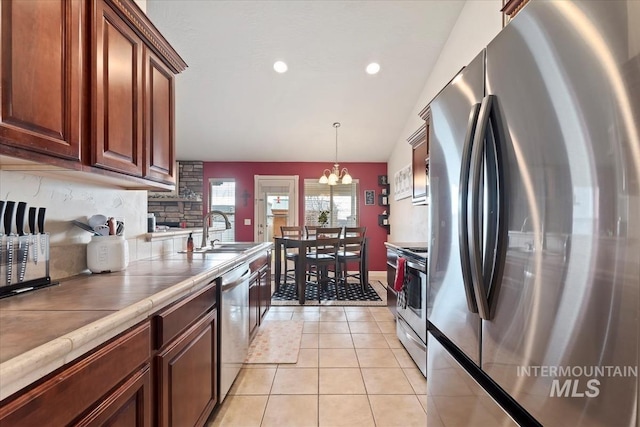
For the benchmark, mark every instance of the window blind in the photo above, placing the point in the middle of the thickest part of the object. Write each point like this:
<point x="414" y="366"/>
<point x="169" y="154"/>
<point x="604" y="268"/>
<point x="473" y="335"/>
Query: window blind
<point x="340" y="200"/>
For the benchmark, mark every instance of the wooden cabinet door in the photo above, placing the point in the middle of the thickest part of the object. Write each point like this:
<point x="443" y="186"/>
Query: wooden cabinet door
<point x="419" y="158"/>
<point x="159" y="157"/>
<point x="187" y="376"/>
<point x="128" y="406"/>
<point x="117" y="90"/>
<point x="82" y="386"/>
<point x="254" y="303"/>
<point x="42" y="79"/>
<point x="265" y="291"/>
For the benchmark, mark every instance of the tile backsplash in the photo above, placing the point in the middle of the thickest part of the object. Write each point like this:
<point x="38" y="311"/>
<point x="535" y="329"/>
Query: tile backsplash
<point x="69" y="200"/>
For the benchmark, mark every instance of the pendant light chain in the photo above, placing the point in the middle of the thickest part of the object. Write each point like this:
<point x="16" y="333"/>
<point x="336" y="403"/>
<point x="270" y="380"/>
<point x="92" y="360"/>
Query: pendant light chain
<point x="336" y="125"/>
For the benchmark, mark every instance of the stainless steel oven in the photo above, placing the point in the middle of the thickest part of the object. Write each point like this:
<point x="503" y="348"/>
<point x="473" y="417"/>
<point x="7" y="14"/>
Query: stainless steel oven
<point x="411" y="324"/>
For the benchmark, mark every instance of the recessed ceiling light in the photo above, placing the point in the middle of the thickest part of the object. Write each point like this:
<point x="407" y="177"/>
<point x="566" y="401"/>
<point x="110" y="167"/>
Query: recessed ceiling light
<point x="373" y="68"/>
<point x="280" y="67"/>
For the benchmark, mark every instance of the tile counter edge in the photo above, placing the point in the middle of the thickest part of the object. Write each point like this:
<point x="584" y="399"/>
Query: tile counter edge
<point x="32" y="365"/>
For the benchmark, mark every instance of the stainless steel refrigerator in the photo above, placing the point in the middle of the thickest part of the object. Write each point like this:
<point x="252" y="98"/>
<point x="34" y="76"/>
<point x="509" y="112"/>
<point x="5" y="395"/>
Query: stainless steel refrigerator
<point x="533" y="299"/>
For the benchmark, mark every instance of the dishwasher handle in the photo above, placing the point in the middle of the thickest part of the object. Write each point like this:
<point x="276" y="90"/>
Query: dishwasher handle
<point x="229" y="283"/>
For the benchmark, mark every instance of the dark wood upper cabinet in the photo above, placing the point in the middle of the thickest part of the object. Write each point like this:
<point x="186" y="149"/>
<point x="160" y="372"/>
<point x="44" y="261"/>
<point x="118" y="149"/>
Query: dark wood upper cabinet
<point x="420" y="160"/>
<point x="512" y="7"/>
<point x="117" y="89"/>
<point x="42" y="76"/>
<point x="87" y="86"/>
<point x="159" y="157"/>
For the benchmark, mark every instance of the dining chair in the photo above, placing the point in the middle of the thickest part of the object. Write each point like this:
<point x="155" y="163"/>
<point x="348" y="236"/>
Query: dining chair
<point x="351" y="251"/>
<point x="324" y="232"/>
<point x="354" y="231"/>
<point x="311" y="230"/>
<point x="324" y="259"/>
<point x="291" y="254"/>
<point x="335" y="232"/>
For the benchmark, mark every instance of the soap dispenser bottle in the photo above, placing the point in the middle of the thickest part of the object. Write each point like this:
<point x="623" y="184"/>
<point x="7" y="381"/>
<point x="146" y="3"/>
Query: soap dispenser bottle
<point x="190" y="243"/>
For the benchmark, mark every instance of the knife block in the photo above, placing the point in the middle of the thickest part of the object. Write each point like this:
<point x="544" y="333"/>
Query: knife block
<point x="24" y="263"/>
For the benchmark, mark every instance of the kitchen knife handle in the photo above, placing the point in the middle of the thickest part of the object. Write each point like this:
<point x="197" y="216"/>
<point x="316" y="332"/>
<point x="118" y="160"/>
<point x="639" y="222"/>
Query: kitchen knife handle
<point x="22" y="208"/>
<point x="32" y="220"/>
<point x="8" y="217"/>
<point x="41" y="212"/>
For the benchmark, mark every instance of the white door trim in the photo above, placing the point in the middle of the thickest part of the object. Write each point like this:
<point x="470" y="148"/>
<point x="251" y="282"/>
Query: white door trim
<point x="292" y="181"/>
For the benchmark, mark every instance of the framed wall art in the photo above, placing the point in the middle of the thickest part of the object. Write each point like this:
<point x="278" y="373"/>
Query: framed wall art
<point x="402" y="183"/>
<point x="369" y="197"/>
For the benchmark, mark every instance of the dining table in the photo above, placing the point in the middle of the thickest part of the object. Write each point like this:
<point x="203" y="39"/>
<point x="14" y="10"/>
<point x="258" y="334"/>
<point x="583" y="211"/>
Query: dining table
<point x="302" y="244"/>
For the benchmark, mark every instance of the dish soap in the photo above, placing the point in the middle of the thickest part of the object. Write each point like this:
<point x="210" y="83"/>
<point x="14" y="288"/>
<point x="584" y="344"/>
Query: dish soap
<point x="190" y="243"/>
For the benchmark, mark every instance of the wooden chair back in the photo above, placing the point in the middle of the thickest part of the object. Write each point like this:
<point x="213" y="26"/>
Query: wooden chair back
<point x="352" y="246"/>
<point x="311" y="230"/>
<point x="327" y="232"/>
<point x="291" y="231"/>
<point x="324" y="249"/>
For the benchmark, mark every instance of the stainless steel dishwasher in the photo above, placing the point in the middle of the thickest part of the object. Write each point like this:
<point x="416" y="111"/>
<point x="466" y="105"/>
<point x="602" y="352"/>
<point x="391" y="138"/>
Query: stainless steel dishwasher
<point x="234" y="325"/>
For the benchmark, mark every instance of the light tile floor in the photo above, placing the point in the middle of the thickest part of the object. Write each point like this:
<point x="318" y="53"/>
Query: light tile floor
<point x="351" y="371"/>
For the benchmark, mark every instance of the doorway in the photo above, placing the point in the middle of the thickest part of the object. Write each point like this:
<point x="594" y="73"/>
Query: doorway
<point x="276" y="205"/>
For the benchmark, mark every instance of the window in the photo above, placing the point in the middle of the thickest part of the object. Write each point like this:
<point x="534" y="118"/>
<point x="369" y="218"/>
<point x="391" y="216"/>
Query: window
<point x="340" y="201"/>
<point x="222" y="197"/>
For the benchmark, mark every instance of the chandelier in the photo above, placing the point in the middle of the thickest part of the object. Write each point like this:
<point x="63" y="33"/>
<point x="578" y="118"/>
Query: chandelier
<point x="334" y="175"/>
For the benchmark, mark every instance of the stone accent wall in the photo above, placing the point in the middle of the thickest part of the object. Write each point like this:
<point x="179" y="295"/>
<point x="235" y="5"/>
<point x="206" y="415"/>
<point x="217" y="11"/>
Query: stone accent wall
<point x="187" y="207"/>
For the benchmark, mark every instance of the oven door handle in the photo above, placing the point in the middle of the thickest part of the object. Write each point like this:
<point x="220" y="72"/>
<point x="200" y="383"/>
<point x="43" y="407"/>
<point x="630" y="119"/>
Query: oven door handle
<point x="416" y="266"/>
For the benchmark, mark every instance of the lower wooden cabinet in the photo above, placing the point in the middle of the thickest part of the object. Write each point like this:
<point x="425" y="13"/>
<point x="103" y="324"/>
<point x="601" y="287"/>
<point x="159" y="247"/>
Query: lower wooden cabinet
<point x="129" y="405"/>
<point x="254" y="303"/>
<point x="162" y="372"/>
<point x="187" y="376"/>
<point x="259" y="290"/>
<point x="101" y="386"/>
<point x="265" y="292"/>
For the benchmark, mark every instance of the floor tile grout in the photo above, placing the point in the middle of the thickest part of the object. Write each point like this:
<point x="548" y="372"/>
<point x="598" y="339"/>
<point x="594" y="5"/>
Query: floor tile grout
<point x="376" y="317"/>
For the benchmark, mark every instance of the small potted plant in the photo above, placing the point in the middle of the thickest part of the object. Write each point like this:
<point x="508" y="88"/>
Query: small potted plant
<point x="323" y="218"/>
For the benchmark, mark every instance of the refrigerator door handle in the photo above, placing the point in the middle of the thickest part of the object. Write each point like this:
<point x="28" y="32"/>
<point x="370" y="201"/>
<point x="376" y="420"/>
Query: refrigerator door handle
<point x="501" y="241"/>
<point x="473" y="212"/>
<point x="463" y="207"/>
<point x="487" y="263"/>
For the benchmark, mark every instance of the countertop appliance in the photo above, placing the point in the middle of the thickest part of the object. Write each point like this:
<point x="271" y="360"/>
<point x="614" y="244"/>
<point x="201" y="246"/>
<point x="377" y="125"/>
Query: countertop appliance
<point x="534" y="266"/>
<point x="234" y="325"/>
<point x="107" y="254"/>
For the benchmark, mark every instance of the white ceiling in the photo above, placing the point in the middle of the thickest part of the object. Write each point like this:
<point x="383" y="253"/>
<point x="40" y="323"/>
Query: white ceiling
<point x="232" y="106"/>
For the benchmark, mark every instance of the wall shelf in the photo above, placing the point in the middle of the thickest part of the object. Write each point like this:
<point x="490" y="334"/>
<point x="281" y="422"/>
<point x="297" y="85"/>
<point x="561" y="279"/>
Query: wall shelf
<point x="384" y="201"/>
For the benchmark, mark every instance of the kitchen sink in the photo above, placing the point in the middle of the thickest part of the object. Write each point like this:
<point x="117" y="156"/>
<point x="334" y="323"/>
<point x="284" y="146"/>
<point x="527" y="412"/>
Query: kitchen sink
<point x="224" y="247"/>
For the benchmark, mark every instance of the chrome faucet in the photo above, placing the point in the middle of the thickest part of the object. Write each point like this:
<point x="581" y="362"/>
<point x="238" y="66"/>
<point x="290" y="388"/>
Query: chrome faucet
<point x="205" y="225"/>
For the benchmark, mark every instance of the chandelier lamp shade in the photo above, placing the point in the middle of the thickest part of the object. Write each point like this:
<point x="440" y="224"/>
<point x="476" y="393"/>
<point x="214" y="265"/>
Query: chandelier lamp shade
<point x="334" y="175"/>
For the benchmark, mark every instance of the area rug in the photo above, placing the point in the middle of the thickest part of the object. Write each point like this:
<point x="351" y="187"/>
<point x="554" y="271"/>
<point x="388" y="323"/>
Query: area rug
<point x="277" y="341"/>
<point x="375" y="295"/>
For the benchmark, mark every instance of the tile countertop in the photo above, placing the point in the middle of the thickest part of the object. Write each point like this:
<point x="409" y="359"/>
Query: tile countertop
<point x="45" y="329"/>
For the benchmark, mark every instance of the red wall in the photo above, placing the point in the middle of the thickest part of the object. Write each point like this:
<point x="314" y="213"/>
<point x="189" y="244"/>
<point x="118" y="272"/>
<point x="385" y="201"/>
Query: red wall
<point x="243" y="173"/>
